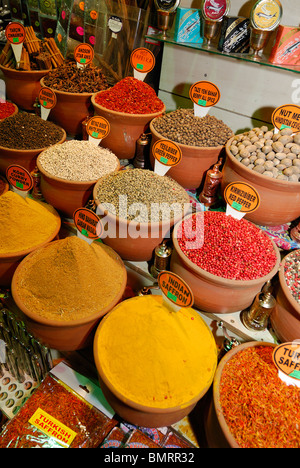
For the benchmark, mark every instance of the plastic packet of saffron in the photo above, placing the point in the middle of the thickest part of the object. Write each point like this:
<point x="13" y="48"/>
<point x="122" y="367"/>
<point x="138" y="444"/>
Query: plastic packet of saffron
<point x="57" y="416"/>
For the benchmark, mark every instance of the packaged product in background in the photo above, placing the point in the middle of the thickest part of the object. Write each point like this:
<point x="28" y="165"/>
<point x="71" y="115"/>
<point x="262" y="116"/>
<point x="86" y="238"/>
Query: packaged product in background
<point x="286" y="49"/>
<point x="188" y="26"/>
<point x="235" y="35"/>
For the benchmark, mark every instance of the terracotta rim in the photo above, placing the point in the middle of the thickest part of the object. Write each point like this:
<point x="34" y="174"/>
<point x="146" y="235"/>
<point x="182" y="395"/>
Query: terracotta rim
<point x="6" y="187"/>
<point x="64" y="93"/>
<point x="284" y="286"/>
<point x="216" y="386"/>
<point x="35" y="150"/>
<point x="60" y="323"/>
<point x="260" y="178"/>
<point x="24" y="72"/>
<point x="134" y="404"/>
<point x="218" y="279"/>
<point x="124" y="114"/>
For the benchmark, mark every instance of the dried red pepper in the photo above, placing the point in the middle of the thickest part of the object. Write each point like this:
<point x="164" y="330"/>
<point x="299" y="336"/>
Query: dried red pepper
<point x="6" y="109"/>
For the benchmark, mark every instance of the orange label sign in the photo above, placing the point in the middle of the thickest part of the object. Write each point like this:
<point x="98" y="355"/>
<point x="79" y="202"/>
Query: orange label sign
<point x="88" y="223"/>
<point x="98" y="127"/>
<point x="15" y="33"/>
<point x="47" y="98"/>
<point x="167" y="152"/>
<point x="242" y="197"/>
<point x="19" y="178"/>
<point x="84" y="54"/>
<point x="142" y="60"/>
<point x="175" y="289"/>
<point x="287" y="116"/>
<point x="205" y="94"/>
<point x="286" y="358"/>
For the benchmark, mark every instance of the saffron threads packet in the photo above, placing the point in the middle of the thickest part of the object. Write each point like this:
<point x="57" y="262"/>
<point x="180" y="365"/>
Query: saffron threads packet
<point x="57" y="416"/>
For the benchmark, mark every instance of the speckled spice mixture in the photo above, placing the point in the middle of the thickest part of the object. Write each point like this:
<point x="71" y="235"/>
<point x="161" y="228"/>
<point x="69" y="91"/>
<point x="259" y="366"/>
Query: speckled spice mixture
<point x="292" y="274"/>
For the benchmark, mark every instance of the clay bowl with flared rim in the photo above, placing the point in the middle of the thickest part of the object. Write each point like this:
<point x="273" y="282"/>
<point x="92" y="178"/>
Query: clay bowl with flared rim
<point x="25" y="158"/>
<point x="6" y="185"/>
<point x="285" y="319"/>
<point x="136" y="413"/>
<point x="214" y="294"/>
<point x="196" y="160"/>
<point x="57" y="334"/>
<point x="131" y="240"/>
<point x="70" y="110"/>
<point x="65" y="195"/>
<point x="23" y="87"/>
<point x="125" y="129"/>
<point x="279" y="199"/>
<point x="10" y="262"/>
<point x="217" y="431"/>
<point x="14" y="113"/>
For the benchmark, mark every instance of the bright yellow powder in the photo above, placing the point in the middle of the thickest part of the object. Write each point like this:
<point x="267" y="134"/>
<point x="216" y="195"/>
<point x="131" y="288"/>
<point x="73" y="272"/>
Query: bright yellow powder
<point x="156" y="357"/>
<point x="24" y="223"/>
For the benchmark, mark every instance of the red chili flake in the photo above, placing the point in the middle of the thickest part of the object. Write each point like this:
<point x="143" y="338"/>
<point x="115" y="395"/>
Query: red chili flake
<point x="226" y="247"/>
<point x="260" y="410"/>
<point x="131" y="96"/>
<point x="6" y="109"/>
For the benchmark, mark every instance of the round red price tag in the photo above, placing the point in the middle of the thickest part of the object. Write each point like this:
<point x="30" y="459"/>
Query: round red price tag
<point x="88" y="223"/>
<point x="84" y="54"/>
<point x="19" y="178"/>
<point x="15" y="33"/>
<point x="167" y="152"/>
<point x="98" y="127"/>
<point x="175" y="289"/>
<point x="205" y="93"/>
<point x="142" y="60"/>
<point x="47" y="98"/>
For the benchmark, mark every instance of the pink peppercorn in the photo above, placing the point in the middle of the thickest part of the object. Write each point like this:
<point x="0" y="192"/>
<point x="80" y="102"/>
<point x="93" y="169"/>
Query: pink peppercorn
<point x="232" y="249"/>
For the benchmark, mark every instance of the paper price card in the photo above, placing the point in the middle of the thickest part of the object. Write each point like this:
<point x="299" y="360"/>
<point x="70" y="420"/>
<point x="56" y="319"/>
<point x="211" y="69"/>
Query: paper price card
<point x="15" y="34"/>
<point x="88" y="224"/>
<point x="286" y="358"/>
<point x="142" y="61"/>
<point x="19" y="178"/>
<point x="287" y="116"/>
<point x="204" y="95"/>
<point x="97" y="128"/>
<point x="176" y="292"/>
<point x="167" y="154"/>
<point x="83" y="54"/>
<point x="47" y="100"/>
<point x="241" y="198"/>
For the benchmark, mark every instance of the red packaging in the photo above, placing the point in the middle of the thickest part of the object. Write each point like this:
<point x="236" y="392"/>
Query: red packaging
<point x="286" y="50"/>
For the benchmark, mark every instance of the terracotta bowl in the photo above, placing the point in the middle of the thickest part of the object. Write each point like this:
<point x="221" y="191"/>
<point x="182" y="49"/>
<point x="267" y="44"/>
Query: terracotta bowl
<point x="279" y="199"/>
<point x="6" y="185"/>
<point x="66" y="196"/>
<point x="23" y="87"/>
<point x="56" y="334"/>
<point x="214" y="294"/>
<point x="285" y="319"/>
<point x="70" y="110"/>
<point x="10" y="262"/>
<point x="15" y="111"/>
<point x="25" y="158"/>
<point x="119" y="233"/>
<point x="125" y="129"/>
<point x="196" y="160"/>
<point x="217" y="431"/>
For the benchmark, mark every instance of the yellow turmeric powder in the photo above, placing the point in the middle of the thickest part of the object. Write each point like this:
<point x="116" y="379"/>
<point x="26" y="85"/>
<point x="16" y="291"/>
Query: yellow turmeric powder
<point x="153" y="356"/>
<point x="25" y="223"/>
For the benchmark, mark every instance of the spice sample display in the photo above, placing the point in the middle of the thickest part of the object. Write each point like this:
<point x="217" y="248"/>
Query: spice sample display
<point x="292" y="274"/>
<point x="54" y="417"/>
<point x="183" y="127"/>
<point x="130" y="96"/>
<point x="24" y="131"/>
<point x="229" y="248"/>
<point x="170" y="356"/>
<point x="274" y="155"/>
<point x="77" y="160"/>
<point x="69" y="78"/>
<point x="260" y="410"/>
<point x="6" y="109"/>
<point x="142" y="196"/>
<point x="79" y="285"/>
<point x="25" y="223"/>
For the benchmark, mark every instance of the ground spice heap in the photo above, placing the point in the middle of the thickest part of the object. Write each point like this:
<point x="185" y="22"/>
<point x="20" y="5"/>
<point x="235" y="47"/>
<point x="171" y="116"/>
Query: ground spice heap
<point x="226" y="247"/>
<point x="182" y="126"/>
<point x="78" y="286"/>
<point x="260" y="410"/>
<point x="25" y="223"/>
<point x="170" y="356"/>
<point x="78" y="161"/>
<point x="292" y="274"/>
<point x="69" y="78"/>
<point x="131" y="96"/>
<point x="6" y="109"/>
<point x="142" y="196"/>
<point x="28" y="131"/>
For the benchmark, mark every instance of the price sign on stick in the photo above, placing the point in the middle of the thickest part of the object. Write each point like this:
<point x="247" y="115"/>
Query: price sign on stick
<point x="15" y="34"/>
<point x="88" y="224"/>
<point x="204" y="95"/>
<point x="286" y="358"/>
<point x="47" y="100"/>
<point x="97" y="128"/>
<point x="83" y="54"/>
<point x="142" y="61"/>
<point x="287" y="116"/>
<point x="20" y="179"/>
<point x="176" y="292"/>
<point x="241" y="198"/>
<point x="167" y="154"/>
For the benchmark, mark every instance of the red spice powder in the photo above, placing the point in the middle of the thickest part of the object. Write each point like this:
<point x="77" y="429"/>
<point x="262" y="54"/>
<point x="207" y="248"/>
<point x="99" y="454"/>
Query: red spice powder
<point x="260" y="410"/>
<point x="6" y="109"/>
<point x="227" y="247"/>
<point x="131" y="96"/>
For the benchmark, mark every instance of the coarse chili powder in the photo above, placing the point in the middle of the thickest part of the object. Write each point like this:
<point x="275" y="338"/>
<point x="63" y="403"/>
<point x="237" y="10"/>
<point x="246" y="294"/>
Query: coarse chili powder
<point x="260" y="410"/>
<point x="6" y="109"/>
<point x="226" y="247"/>
<point x="130" y="96"/>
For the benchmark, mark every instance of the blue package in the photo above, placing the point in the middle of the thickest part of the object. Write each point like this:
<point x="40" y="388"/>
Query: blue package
<point x="188" y="26"/>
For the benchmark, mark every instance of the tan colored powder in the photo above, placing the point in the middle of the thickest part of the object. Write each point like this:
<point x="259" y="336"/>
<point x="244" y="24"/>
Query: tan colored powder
<point x="70" y="279"/>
